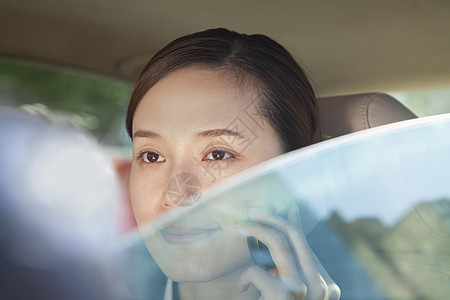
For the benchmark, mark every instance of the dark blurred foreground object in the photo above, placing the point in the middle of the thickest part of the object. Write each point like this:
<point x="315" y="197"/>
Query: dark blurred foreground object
<point x="57" y="211"/>
<point x="34" y="266"/>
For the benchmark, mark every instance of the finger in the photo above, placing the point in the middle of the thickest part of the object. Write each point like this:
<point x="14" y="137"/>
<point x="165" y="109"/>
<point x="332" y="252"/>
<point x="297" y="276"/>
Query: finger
<point x="334" y="292"/>
<point x="302" y="253"/>
<point x="294" y="217"/>
<point x="270" y="287"/>
<point x="278" y="247"/>
<point x="290" y="228"/>
<point x="319" y="288"/>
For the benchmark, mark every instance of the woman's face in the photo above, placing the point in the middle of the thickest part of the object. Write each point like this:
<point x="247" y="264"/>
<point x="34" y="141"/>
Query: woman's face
<point x="192" y="129"/>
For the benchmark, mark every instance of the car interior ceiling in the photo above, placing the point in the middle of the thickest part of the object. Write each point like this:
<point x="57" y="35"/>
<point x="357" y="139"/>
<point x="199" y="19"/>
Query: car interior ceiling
<point x="347" y="48"/>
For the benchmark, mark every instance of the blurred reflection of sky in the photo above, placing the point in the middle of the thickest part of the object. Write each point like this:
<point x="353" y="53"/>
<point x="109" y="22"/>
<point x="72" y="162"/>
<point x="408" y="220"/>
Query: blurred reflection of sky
<point x="381" y="173"/>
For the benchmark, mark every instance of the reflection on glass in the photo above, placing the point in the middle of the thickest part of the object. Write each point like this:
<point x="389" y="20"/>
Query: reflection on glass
<point x="375" y="208"/>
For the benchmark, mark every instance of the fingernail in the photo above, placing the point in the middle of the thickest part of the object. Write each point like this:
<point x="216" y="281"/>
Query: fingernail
<point x="242" y="231"/>
<point x="294" y="214"/>
<point x="295" y="210"/>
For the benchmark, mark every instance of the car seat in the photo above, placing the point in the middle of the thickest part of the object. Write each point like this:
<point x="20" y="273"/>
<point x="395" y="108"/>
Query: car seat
<point x="341" y="115"/>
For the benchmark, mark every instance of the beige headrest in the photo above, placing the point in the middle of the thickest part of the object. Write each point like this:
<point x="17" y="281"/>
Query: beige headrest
<point x="346" y="114"/>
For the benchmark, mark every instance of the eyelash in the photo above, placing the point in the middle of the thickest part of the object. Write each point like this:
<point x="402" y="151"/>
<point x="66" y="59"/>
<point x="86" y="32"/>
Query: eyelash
<point x="141" y="157"/>
<point x="231" y="155"/>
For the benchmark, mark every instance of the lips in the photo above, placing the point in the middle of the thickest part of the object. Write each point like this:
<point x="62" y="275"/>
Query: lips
<point x="179" y="235"/>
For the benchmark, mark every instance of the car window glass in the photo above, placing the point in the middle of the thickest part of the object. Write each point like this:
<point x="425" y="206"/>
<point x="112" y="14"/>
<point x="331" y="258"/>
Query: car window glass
<point x="375" y="208"/>
<point x="425" y="102"/>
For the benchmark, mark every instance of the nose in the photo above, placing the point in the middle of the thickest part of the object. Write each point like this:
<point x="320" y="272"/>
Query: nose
<point x="184" y="189"/>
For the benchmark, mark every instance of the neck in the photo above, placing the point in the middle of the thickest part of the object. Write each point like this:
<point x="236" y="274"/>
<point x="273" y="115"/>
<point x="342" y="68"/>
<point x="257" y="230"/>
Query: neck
<point x="224" y="287"/>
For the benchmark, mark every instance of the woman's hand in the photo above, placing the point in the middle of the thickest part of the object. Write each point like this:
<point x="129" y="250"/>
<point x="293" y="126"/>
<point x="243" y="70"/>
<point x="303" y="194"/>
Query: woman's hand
<point x="298" y="273"/>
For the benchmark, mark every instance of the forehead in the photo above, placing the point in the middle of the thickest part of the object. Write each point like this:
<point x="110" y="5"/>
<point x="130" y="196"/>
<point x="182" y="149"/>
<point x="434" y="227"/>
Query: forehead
<point x="195" y="97"/>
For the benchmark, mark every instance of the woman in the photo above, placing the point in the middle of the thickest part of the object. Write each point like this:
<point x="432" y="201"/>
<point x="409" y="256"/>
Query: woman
<point x="205" y="107"/>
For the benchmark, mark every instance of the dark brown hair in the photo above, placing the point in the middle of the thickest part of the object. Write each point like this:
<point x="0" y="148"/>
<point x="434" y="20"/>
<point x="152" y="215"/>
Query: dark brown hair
<point x="287" y="100"/>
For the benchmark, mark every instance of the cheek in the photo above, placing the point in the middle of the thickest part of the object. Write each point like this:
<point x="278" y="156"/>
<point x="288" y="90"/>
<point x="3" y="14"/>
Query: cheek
<point x="213" y="173"/>
<point x="146" y="190"/>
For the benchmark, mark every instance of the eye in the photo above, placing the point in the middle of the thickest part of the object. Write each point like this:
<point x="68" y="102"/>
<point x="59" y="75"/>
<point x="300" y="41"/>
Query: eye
<point x="151" y="157"/>
<point x="218" y="155"/>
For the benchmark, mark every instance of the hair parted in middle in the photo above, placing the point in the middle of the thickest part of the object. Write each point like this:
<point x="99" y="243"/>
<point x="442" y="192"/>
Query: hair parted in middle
<point x="286" y="98"/>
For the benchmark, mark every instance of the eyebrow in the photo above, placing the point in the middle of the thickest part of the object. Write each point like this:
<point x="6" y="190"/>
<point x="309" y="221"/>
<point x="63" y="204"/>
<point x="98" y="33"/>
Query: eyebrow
<point x="205" y="133"/>
<point x="220" y="132"/>
<point x="146" y="134"/>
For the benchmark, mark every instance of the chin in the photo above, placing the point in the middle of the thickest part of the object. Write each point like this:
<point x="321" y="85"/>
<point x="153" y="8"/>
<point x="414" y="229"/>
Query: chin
<point x="201" y="267"/>
<point x="202" y="260"/>
<point x="194" y="272"/>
